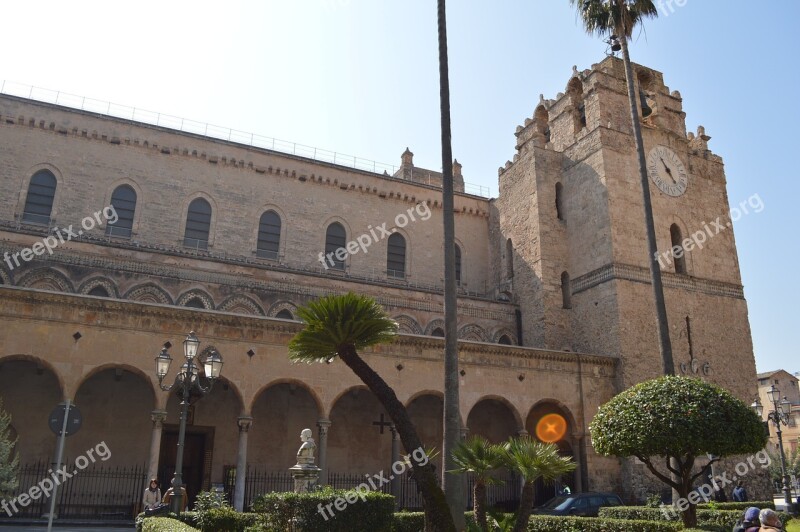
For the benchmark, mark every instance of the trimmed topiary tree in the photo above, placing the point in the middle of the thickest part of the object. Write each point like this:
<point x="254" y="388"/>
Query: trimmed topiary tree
<point x="675" y="420"/>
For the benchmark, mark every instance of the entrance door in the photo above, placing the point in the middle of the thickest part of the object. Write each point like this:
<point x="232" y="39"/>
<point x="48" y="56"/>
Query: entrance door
<point x="197" y="446"/>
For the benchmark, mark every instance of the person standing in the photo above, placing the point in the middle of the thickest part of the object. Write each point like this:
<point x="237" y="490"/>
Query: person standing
<point x="739" y="493"/>
<point x="152" y="495"/>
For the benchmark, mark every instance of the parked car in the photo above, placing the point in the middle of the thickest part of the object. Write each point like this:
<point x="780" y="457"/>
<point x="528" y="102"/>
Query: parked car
<point x="578" y="504"/>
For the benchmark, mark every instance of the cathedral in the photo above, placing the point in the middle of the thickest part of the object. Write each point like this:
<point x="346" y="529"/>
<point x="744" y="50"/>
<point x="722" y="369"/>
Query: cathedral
<point x="120" y="236"/>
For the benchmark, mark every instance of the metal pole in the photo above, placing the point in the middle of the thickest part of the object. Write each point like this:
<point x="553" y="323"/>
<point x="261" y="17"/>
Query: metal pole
<point x="59" y="456"/>
<point x="787" y="490"/>
<point x="177" y="479"/>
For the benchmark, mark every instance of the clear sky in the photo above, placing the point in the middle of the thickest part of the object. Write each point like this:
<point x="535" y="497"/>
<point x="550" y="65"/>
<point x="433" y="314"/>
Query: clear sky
<point x="361" y="77"/>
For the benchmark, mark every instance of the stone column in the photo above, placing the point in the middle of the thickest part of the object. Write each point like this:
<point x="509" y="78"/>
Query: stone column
<point x="322" y="447"/>
<point x="241" y="463"/>
<point x="522" y="432"/>
<point x="158" y="417"/>
<point x="395" y="479"/>
<point x="464" y="433"/>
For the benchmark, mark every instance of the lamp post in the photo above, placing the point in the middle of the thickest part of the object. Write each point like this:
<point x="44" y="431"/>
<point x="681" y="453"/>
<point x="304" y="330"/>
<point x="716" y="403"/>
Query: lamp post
<point x="187" y="379"/>
<point x="779" y="416"/>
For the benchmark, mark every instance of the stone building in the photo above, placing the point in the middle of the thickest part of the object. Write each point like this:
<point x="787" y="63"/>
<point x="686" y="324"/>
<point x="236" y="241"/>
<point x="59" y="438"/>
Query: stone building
<point x="789" y="388"/>
<point x="227" y="238"/>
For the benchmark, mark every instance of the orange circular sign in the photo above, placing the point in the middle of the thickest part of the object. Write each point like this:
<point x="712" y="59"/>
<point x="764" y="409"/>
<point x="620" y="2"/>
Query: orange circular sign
<point x="551" y="428"/>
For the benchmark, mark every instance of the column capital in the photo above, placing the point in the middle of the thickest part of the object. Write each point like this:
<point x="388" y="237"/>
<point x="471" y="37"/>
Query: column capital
<point x="244" y="423"/>
<point x="323" y="425"/>
<point x="158" y="417"/>
<point x="522" y="432"/>
<point x="395" y="433"/>
<point x="464" y="432"/>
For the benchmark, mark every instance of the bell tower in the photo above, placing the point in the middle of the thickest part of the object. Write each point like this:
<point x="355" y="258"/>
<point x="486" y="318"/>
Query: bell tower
<point x="569" y="218"/>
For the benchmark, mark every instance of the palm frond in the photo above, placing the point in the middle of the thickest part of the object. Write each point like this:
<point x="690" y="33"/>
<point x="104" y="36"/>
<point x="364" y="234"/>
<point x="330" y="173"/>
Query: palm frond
<point x="533" y="459"/>
<point x="337" y="322"/>
<point x="477" y="455"/>
<point x="602" y="17"/>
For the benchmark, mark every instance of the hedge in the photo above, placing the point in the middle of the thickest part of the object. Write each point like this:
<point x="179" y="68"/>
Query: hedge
<point x="742" y="506"/>
<point x="705" y="518"/>
<point x="165" y="524"/>
<point x="553" y="523"/>
<point x="372" y="511"/>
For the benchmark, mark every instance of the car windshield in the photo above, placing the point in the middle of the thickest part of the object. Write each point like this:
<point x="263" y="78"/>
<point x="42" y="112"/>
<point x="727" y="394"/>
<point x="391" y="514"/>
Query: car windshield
<point x="558" y="503"/>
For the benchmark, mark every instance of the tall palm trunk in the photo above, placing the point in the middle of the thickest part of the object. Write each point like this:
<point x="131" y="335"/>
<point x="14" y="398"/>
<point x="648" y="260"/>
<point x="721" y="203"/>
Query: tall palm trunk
<point x="451" y="483"/>
<point x="479" y="503"/>
<point x="437" y="514"/>
<point x="525" y="507"/>
<point x="665" y="346"/>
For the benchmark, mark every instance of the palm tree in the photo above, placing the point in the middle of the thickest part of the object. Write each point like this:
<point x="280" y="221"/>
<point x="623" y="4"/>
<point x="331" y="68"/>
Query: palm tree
<point x="452" y="484"/>
<point x="481" y="458"/>
<point x="338" y="326"/>
<point x="620" y="17"/>
<point x="532" y="459"/>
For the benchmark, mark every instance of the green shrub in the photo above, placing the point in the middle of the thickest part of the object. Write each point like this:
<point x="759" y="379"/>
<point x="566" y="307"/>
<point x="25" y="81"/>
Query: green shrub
<point x="706" y="518"/>
<point x="225" y="519"/>
<point x="165" y="524"/>
<point x="742" y="506"/>
<point x="548" y="523"/>
<point x="408" y="522"/>
<point x="311" y="512"/>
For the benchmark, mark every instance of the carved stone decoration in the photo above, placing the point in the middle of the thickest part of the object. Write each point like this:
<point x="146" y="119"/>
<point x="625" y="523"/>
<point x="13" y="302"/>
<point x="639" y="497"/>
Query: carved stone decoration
<point x="499" y="333"/>
<point x="433" y="325"/>
<point x="46" y="279"/>
<point x="408" y="324"/>
<point x="99" y="281"/>
<point x="276" y="308"/>
<point x="472" y="332"/>
<point x="241" y="304"/>
<point x="5" y="277"/>
<point x="149" y="293"/>
<point x="196" y="294"/>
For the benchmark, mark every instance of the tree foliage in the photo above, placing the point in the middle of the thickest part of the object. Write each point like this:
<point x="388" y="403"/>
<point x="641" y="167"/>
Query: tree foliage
<point x="9" y="460"/>
<point x="620" y="17"/>
<point x="676" y="418"/>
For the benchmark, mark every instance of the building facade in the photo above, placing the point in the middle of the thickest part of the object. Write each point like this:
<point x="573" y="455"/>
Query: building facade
<point x="788" y="386"/>
<point x="227" y="239"/>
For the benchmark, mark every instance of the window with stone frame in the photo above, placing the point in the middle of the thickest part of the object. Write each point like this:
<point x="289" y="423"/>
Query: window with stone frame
<point x="269" y="236"/>
<point x="198" y="224"/>
<point x="123" y="199"/>
<point x="39" y="200"/>
<point x="396" y="256"/>
<point x="335" y="240"/>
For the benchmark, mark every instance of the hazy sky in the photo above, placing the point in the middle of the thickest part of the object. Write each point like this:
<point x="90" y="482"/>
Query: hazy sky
<point x="360" y="77"/>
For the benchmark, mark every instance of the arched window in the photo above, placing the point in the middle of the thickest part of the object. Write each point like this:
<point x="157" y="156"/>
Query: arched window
<point x="678" y="253"/>
<point x="39" y="201"/>
<point x="284" y="315"/>
<point x="198" y="224"/>
<point x="560" y="201"/>
<point x="566" y="294"/>
<point x="504" y="340"/>
<point x="99" y="291"/>
<point x="509" y="259"/>
<point x="438" y="332"/>
<point x="575" y="91"/>
<point x="269" y="235"/>
<point x="335" y="241"/>
<point x="124" y="202"/>
<point x="458" y="265"/>
<point x="396" y="256"/>
<point x="195" y="302"/>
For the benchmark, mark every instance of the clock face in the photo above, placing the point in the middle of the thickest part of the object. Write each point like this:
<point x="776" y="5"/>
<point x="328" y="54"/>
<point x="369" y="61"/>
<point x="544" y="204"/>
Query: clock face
<point x="667" y="171"/>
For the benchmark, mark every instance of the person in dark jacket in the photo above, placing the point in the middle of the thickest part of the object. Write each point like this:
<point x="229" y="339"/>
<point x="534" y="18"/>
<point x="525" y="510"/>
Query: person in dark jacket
<point x="739" y="493"/>
<point x="749" y="521"/>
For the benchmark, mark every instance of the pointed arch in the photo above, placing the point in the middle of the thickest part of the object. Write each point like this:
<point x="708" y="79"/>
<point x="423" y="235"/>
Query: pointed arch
<point x="196" y="298"/>
<point x="39" y="363"/>
<point x="292" y="382"/>
<point x="408" y="324"/>
<point x="93" y="285"/>
<point x="242" y="304"/>
<point x="149" y="292"/>
<point x="542" y="119"/>
<point x="47" y="278"/>
<point x="358" y="388"/>
<point x="499" y="334"/>
<point x="281" y="306"/>
<point x="116" y="365"/>
<point x="678" y="251"/>
<point x="40" y="198"/>
<point x="433" y="326"/>
<point x="577" y="104"/>
<point x="472" y="332"/>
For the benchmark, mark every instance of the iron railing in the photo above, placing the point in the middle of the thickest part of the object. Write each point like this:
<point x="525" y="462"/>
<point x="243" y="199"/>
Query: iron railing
<point x="97" y="492"/>
<point x="208" y="130"/>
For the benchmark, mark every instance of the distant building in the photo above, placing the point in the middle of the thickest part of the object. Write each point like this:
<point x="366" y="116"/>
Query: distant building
<point x="789" y="387"/>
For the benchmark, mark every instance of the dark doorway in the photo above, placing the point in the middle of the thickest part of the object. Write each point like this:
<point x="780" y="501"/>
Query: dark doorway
<point x="197" y="454"/>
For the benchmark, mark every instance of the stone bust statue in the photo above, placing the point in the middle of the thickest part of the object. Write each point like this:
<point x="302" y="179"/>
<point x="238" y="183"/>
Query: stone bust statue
<point x="305" y="455"/>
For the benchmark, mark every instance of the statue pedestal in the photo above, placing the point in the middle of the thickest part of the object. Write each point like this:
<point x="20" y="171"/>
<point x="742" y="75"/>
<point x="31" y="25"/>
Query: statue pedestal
<point x="305" y="477"/>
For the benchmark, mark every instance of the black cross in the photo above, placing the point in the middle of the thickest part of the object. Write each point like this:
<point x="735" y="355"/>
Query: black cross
<point x="382" y="423"/>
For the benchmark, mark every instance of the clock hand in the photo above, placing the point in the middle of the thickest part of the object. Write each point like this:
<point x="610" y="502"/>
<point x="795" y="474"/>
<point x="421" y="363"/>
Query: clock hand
<point x="669" y="172"/>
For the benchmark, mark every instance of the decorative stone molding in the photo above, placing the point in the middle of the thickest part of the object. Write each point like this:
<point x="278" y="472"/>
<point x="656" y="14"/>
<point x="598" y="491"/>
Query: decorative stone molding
<point x="504" y="332"/>
<point x="276" y="308"/>
<point x="5" y="277"/>
<point x="46" y="279"/>
<point x="196" y="293"/>
<point x="93" y="282"/>
<point x="472" y="332"/>
<point x="149" y="293"/>
<point x="158" y="417"/>
<point x="241" y="304"/>
<point x="408" y="324"/>
<point x="244" y="422"/>
<point x="433" y="324"/>
<point x="627" y="272"/>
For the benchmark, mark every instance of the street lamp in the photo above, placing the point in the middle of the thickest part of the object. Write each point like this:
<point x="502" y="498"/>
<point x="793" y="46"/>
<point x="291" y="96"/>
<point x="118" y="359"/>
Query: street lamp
<point x="187" y="379"/>
<point x="779" y="416"/>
